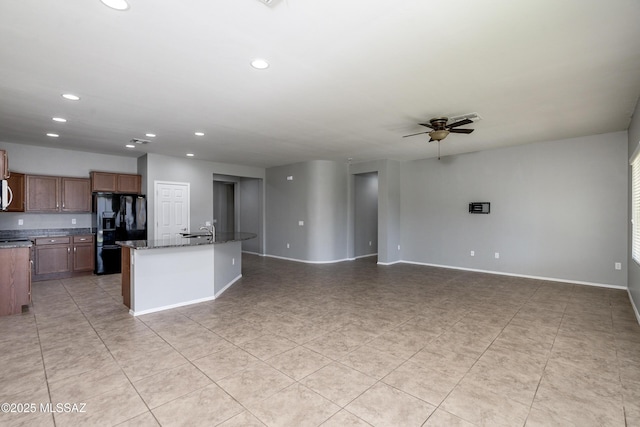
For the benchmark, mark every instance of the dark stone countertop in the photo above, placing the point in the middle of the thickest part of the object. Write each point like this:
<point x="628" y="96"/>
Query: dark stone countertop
<point x="15" y="244"/>
<point x="177" y="242"/>
<point x="43" y="232"/>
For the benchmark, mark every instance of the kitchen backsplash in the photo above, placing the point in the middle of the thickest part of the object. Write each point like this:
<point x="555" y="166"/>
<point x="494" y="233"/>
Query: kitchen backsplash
<point x="30" y="221"/>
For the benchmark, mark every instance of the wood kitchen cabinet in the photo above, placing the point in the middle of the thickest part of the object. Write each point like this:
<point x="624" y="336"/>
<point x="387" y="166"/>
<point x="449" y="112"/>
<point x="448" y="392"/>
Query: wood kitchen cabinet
<point x="43" y="193"/>
<point x="17" y="185"/>
<point x="57" y="194"/>
<point x="76" y="195"/>
<point x="63" y="256"/>
<point x="110" y="182"/>
<point x="15" y="280"/>
<point x="83" y="253"/>
<point x="52" y="255"/>
<point x="4" y="165"/>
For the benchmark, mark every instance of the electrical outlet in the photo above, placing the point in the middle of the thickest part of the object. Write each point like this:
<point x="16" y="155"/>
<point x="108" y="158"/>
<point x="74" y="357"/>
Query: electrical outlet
<point x="207" y="223"/>
<point x="233" y="261"/>
<point x="398" y="247"/>
<point x="618" y="265"/>
<point x="73" y="221"/>
<point x="497" y="255"/>
<point x="300" y="223"/>
<point x="472" y="253"/>
<point x="288" y="246"/>
<point x="290" y="178"/>
<point x="20" y="221"/>
<point x="369" y="242"/>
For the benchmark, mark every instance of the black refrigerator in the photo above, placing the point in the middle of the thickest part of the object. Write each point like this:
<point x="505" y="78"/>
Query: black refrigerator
<point x="116" y="217"/>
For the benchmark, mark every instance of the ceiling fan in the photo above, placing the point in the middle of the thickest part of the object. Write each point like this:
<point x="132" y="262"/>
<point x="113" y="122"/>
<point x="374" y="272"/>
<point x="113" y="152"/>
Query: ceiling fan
<point x="440" y="128"/>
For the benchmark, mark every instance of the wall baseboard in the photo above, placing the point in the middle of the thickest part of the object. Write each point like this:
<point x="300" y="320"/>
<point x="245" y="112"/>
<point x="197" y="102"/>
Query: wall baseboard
<point x="452" y="267"/>
<point x="304" y="261"/>
<point x="526" y="276"/>
<point x="633" y="304"/>
<point x="168" y="307"/>
<point x="227" y="286"/>
<point x="253" y="253"/>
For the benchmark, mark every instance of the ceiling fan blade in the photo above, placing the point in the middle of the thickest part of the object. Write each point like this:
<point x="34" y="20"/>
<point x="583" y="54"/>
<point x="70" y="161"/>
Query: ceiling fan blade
<point x="461" y="130"/>
<point x="429" y="125"/>
<point x="431" y="139"/>
<point x="414" y="134"/>
<point x="460" y="123"/>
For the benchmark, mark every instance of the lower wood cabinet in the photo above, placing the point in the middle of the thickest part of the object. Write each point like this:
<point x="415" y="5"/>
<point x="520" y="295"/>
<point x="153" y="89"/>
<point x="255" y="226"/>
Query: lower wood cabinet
<point x="15" y="280"/>
<point x="83" y="253"/>
<point x="65" y="256"/>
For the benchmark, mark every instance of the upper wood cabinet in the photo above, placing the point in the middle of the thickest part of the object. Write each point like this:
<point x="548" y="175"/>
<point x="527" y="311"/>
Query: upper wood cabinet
<point x="110" y="182"/>
<point x="43" y="193"/>
<point x="104" y="181"/>
<point x="76" y="195"/>
<point x="129" y="183"/>
<point x="16" y="183"/>
<point x="4" y="165"/>
<point x="57" y="194"/>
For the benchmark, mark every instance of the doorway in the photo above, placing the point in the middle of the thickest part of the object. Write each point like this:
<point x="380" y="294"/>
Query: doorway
<point x="172" y="208"/>
<point x="224" y="206"/>
<point x="366" y="215"/>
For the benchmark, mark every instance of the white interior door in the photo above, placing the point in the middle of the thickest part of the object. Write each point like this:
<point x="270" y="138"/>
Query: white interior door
<point x="172" y="208"/>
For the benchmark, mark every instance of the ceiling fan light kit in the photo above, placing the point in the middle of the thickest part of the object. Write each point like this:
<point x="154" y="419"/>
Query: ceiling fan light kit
<point x="441" y="128"/>
<point x="438" y="135"/>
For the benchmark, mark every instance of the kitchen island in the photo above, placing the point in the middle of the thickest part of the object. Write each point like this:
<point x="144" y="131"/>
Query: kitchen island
<point x="162" y="274"/>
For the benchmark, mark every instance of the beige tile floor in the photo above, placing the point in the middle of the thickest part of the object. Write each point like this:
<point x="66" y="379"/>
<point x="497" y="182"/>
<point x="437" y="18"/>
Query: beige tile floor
<point x="350" y="344"/>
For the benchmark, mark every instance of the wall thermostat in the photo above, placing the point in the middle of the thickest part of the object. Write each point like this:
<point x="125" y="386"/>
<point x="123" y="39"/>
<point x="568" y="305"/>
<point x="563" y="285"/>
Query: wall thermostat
<point x="479" y="207"/>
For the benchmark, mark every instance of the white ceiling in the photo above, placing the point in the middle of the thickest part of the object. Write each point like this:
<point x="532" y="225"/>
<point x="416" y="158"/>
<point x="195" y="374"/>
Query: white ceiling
<point x="348" y="78"/>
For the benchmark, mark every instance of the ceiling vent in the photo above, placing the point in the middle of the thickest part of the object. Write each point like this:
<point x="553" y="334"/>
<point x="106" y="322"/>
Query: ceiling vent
<point x="140" y="141"/>
<point x="474" y="117"/>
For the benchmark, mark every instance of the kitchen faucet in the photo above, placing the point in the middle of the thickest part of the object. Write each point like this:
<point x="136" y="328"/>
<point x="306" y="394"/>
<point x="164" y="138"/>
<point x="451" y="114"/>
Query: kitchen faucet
<point x="209" y="230"/>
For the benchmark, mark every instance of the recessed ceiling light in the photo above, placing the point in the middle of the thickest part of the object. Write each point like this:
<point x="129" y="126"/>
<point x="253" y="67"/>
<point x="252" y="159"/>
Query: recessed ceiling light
<point x="59" y="119"/>
<point x="71" y="97"/>
<point x="190" y="154"/>
<point x="259" y="64"/>
<point x="53" y="135"/>
<point x="116" y="4"/>
<point x="130" y="146"/>
<point x="150" y="135"/>
<point x="199" y="133"/>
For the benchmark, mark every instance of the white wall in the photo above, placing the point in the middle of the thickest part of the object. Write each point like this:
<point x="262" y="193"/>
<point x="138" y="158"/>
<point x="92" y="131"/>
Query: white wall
<point x="199" y="174"/>
<point x="558" y="210"/>
<point x="36" y="160"/>
<point x="634" y="268"/>
<point x="251" y="218"/>
<point x="318" y="196"/>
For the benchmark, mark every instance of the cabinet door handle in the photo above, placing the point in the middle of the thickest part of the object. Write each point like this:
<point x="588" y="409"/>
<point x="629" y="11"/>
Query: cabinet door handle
<point x="52" y="241"/>
<point x="75" y="249"/>
<point x="68" y="250"/>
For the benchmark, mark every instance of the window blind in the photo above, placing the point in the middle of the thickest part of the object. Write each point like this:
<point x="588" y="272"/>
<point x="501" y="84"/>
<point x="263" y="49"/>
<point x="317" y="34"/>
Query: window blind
<point x="635" y="206"/>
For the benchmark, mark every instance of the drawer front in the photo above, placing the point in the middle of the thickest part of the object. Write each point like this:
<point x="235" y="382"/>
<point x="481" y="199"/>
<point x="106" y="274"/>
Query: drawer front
<point x="53" y="241"/>
<point x="83" y="239"/>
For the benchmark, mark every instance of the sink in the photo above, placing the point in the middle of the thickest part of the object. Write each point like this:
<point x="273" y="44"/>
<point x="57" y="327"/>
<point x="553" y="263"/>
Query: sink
<point x="14" y="240"/>
<point x="196" y="235"/>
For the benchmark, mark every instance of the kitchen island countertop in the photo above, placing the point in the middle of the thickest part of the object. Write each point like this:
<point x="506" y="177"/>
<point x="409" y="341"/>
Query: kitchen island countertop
<point x="175" y="242"/>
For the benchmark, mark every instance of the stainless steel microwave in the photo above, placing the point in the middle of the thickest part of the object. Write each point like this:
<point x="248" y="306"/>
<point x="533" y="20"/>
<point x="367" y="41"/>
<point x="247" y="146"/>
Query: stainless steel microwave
<point x="5" y="195"/>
